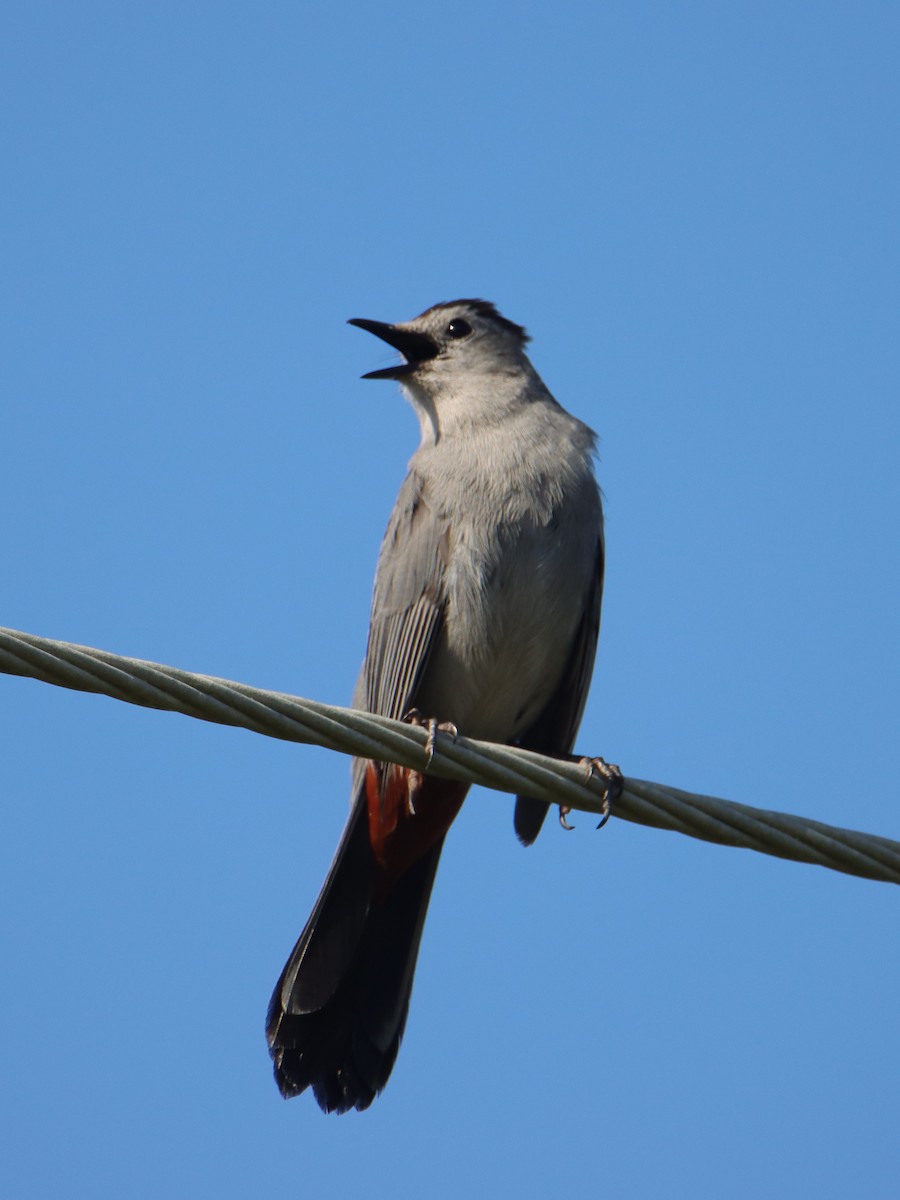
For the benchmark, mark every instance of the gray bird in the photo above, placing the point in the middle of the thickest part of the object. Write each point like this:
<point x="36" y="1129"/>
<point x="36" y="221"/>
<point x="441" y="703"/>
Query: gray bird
<point x="485" y="615"/>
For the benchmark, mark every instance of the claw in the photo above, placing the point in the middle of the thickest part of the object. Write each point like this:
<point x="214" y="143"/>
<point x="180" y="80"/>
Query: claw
<point x="414" y="781"/>
<point x="434" y="727"/>
<point x="612" y="778"/>
<point x="414" y="717"/>
<point x="564" y="811"/>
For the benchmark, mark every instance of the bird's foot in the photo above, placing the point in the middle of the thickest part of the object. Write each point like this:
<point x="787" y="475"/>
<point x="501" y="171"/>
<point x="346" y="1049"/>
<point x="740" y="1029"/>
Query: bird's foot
<point x="434" y="727"/>
<point x="613" y="780"/>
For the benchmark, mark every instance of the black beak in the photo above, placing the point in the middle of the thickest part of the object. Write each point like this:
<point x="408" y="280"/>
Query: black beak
<point x="416" y="348"/>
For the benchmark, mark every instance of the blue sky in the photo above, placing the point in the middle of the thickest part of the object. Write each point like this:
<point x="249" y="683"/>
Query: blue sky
<point x="693" y="208"/>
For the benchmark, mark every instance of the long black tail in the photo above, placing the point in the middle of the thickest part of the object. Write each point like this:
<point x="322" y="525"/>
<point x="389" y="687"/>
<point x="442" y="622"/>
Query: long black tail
<point x="337" y="1014"/>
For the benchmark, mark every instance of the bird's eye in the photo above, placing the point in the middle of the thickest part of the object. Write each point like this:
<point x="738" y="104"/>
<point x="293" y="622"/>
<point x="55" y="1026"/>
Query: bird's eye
<point x="459" y="328"/>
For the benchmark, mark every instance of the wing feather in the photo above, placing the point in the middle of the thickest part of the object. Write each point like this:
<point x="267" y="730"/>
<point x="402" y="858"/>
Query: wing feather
<point x="408" y="604"/>
<point x="555" y="729"/>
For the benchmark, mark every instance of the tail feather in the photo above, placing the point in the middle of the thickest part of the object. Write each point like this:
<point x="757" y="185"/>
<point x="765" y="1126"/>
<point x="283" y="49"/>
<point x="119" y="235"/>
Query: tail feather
<point x="339" y="1009"/>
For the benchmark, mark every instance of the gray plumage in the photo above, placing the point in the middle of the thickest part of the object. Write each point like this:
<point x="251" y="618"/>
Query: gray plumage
<point x="491" y="570"/>
<point x="485" y="613"/>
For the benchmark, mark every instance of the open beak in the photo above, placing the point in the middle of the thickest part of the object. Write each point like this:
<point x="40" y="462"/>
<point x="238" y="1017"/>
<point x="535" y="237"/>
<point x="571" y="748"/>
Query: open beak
<point x="415" y="347"/>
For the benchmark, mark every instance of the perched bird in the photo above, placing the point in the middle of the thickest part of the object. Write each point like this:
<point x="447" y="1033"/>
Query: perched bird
<point x="485" y="615"/>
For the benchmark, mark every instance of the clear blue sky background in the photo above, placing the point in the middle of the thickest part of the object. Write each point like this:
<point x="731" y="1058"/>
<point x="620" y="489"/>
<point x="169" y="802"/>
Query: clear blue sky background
<point x="694" y="208"/>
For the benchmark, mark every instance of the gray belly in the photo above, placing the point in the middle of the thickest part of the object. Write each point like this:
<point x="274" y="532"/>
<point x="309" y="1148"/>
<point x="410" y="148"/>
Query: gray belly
<point x="510" y="623"/>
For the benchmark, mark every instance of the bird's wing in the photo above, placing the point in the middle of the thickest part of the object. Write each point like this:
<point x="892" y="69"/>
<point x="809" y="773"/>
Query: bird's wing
<point x="554" y="730"/>
<point x="407" y="606"/>
<point x="407" y="617"/>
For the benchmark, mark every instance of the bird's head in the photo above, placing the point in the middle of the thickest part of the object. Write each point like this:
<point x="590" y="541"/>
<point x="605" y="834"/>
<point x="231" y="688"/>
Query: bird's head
<point x="464" y="362"/>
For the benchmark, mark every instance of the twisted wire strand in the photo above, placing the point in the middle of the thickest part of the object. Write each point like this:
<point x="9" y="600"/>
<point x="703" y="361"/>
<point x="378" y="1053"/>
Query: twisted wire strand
<point x="503" y="768"/>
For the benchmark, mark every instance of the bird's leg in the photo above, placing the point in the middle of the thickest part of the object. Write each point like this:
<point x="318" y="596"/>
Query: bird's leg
<point x="434" y="727"/>
<point x="613" y="780"/>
